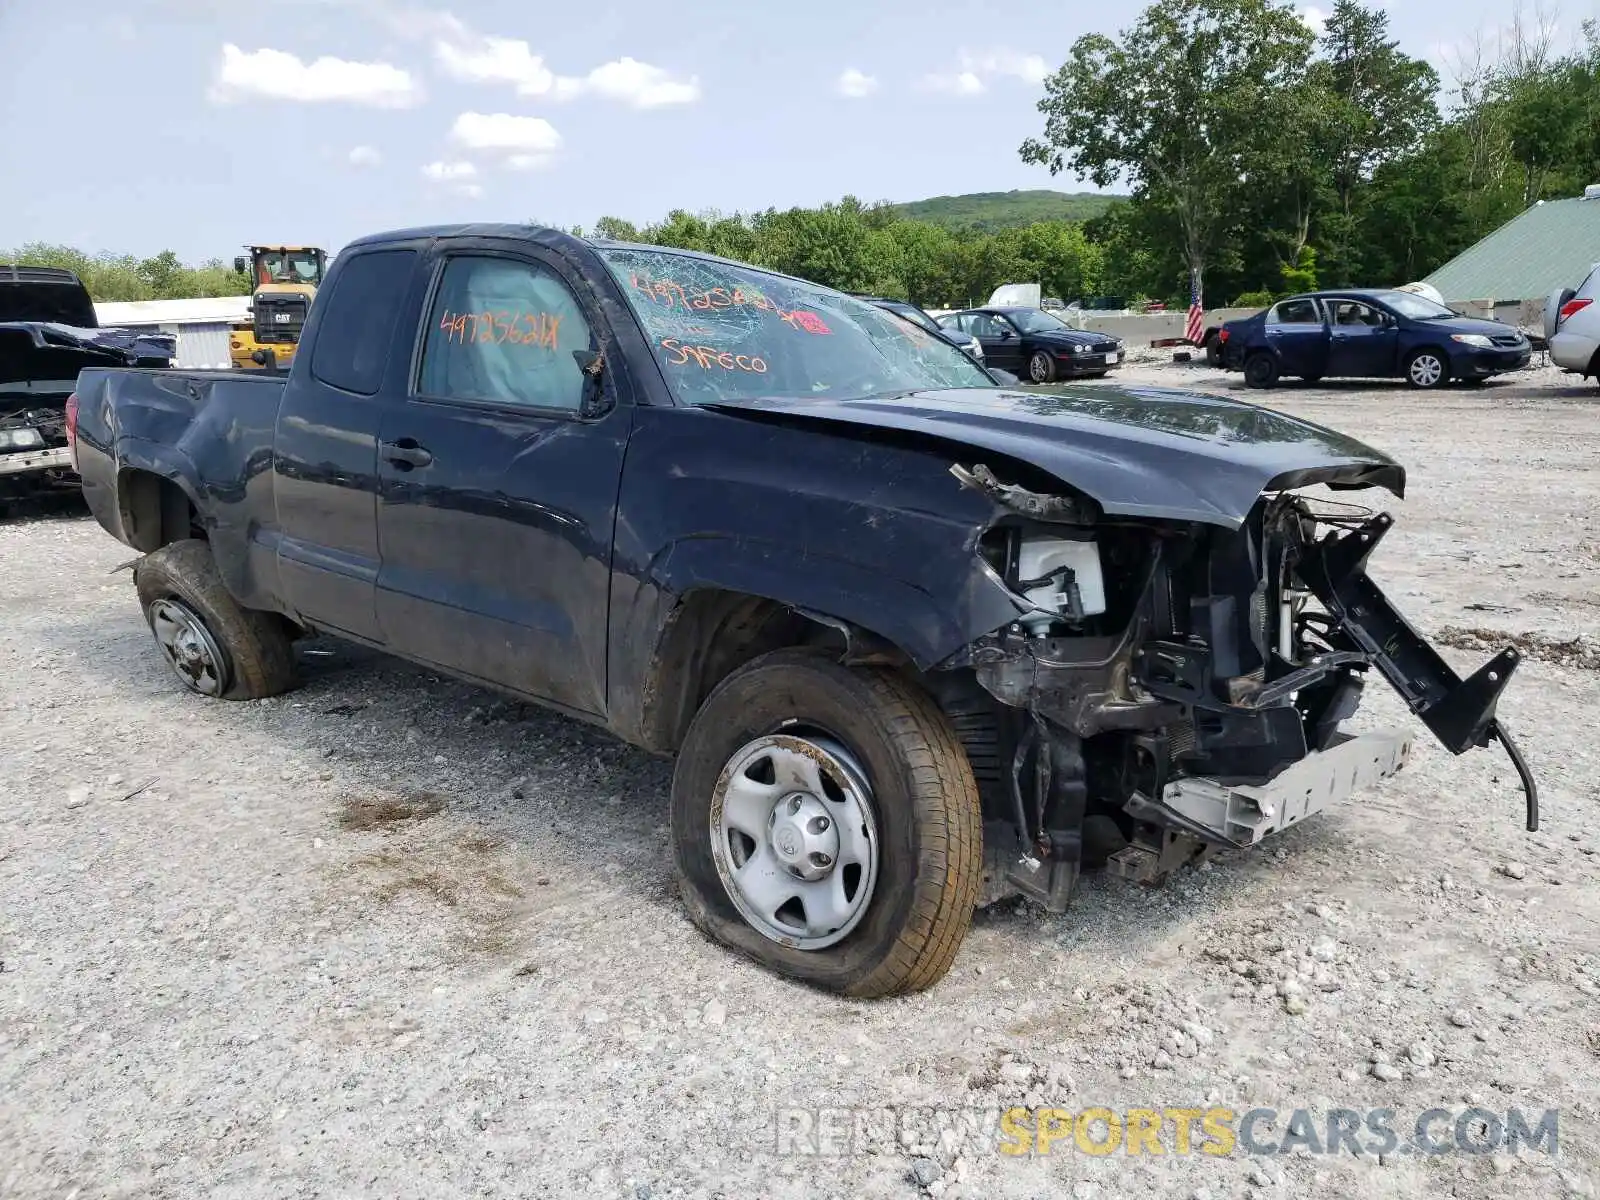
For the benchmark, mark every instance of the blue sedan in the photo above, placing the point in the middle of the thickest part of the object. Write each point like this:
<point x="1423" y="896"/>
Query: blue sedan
<point x="1370" y="334"/>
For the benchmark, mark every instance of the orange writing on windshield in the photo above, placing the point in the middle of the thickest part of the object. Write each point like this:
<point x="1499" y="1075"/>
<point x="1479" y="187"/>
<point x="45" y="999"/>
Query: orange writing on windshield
<point x="707" y="357"/>
<point x="519" y="328"/>
<point x="669" y="293"/>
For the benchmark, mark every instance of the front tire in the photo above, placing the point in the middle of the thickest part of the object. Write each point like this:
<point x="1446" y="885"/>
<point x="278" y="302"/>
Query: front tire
<point x="781" y="751"/>
<point x="1261" y="371"/>
<point x="1041" y="367"/>
<point x="1427" y="369"/>
<point x="215" y="647"/>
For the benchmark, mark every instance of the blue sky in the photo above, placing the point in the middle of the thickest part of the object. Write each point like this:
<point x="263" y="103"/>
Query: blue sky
<point x="137" y="125"/>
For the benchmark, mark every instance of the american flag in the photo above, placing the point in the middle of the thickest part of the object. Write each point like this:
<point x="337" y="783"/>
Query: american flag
<point x="1196" y="327"/>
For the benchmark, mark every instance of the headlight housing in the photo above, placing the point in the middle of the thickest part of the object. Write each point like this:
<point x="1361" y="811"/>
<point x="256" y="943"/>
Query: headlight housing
<point x="1079" y="348"/>
<point x="1472" y="339"/>
<point x="975" y="348"/>
<point x="20" y="439"/>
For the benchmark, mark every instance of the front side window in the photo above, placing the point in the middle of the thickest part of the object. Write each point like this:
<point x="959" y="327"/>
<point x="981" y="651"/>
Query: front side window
<point x="1353" y="313"/>
<point x="1295" y="312"/>
<point x="723" y="331"/>
<point x="507" y="332"/>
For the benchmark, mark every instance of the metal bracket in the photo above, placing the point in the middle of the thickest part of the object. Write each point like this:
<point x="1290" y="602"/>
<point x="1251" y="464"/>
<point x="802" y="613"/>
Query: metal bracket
<point x="1460" y="713"/>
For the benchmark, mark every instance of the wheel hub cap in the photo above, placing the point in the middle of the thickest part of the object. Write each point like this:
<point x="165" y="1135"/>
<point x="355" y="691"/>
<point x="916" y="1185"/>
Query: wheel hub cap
<point x="794" y="838"/>
<point x="189" y="648"/>
<point x="804" y="837"/>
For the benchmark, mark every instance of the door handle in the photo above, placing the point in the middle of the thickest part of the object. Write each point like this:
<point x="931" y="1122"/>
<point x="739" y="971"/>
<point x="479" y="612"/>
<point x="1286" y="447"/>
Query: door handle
<point x="405" y="453"/>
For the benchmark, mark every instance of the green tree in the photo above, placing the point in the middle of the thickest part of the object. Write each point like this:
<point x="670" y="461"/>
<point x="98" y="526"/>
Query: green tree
<point x="1182" y="107"/>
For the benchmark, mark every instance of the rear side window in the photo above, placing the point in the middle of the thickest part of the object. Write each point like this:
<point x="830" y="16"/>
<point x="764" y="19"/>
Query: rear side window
<point x="356" y="332"/>
<point x="505" y="331"/>
<point x="1295" y="312"/>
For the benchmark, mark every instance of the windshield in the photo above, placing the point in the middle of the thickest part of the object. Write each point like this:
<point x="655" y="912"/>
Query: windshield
<point x="725" y="332"/>
<point x="1418" y="308"/>
<point x="276" y="266"/>
<point x="1035" y="321"/>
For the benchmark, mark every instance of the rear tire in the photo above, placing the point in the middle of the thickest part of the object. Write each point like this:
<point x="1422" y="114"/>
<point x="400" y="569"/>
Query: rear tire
<point x="1427" y="369"/>
<point x="214" y="646"/>
<point x="1261" y="370"/>
<point x="921" y="801"/>
<point x="1213" y="351"/>
<point x="1041" y="367"/>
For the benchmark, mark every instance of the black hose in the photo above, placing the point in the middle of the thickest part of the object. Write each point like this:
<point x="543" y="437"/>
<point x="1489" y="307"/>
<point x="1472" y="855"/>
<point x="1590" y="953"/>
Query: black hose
<point x="1529" y="787"/>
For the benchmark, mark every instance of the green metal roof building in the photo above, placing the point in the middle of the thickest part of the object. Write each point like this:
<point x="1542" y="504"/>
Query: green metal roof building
<point x="1551" y="245"/>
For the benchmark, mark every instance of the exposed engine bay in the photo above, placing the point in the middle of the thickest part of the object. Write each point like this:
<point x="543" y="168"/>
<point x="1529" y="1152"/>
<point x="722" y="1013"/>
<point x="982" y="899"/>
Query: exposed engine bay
<point x="1170" y="688"/>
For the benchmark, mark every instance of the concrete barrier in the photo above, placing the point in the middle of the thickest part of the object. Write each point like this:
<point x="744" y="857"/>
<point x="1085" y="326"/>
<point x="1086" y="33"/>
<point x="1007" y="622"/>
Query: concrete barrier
<point x="1144" y="328"/>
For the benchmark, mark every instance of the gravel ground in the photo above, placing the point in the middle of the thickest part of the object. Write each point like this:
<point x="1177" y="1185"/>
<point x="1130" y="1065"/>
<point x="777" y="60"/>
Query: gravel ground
<point x="394" y="936"/>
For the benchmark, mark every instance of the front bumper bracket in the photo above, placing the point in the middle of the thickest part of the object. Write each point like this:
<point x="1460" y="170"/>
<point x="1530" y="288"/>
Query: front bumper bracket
<point x="1459" y="712"/>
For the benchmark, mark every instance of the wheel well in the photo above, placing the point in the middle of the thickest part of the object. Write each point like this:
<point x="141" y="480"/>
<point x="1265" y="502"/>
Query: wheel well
<point x="1439" y="351"/>
<point x="712" y="633"/>
<point x="155" y="511"/>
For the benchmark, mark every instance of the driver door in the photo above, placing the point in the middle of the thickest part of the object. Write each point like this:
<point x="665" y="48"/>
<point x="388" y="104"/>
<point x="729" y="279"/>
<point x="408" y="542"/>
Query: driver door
<point x="1002" y="344"/>
<point x="1364" y="341"/>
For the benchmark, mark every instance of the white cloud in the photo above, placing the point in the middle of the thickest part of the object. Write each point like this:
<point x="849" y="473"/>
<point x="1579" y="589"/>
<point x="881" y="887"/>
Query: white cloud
<point x="365" y="156"/>
<point x="450" y="172"/>
<point x="501" y="133"/>
<point x="963" y="83"/>
<point x="482" y="59"/>
<point x="465" y="54"/>
<point x="854" y="84"/>
<point x="278" y="75"/>
<point x="1315" y="18"/>
<point x="634" y="83"/>
<point x="979" y="70"/>
<point x="1030" y="68"/>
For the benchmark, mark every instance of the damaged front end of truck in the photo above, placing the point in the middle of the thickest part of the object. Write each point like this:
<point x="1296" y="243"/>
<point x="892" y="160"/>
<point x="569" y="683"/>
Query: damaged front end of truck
<point x="1175" y="687"/>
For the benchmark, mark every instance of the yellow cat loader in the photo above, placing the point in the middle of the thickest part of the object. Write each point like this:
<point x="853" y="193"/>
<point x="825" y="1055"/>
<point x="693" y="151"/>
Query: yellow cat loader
<point x="286" y="280"/>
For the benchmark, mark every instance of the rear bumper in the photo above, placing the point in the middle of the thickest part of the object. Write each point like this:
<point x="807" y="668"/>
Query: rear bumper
<point x="1573" y="351"/>
<point x="19" y="462"/>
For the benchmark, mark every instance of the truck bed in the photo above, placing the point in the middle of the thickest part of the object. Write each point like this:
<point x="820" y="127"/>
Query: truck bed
<point x="164" y="422"/>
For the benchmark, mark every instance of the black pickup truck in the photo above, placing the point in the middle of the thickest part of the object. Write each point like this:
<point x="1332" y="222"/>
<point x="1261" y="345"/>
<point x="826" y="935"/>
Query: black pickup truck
<point x="917" y="641"/>
<point x="48" y="333"/>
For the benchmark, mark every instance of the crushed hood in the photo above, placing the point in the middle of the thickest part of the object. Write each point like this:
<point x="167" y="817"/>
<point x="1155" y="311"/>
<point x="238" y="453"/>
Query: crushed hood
<point x="1143" y="452"/>
<point x="43" y="358"/>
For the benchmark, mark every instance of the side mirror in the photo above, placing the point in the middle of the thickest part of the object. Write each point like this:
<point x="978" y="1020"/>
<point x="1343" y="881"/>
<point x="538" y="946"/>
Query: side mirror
<point x="1006" y="335"/>
<point x="1003" y="378"/>
<point x="241" y="264"/>
<point x="593" y="402"/>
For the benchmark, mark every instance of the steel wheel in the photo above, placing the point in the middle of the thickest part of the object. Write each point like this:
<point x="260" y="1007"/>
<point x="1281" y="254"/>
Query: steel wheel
<point x="1040" y="368"/>
<point x="1427" y="370"/>
<point x="189" y="648"/>
<point x="794" y="838"/>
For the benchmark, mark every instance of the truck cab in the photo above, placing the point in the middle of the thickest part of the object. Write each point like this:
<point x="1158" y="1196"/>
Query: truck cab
<point x="285" y="280"/>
